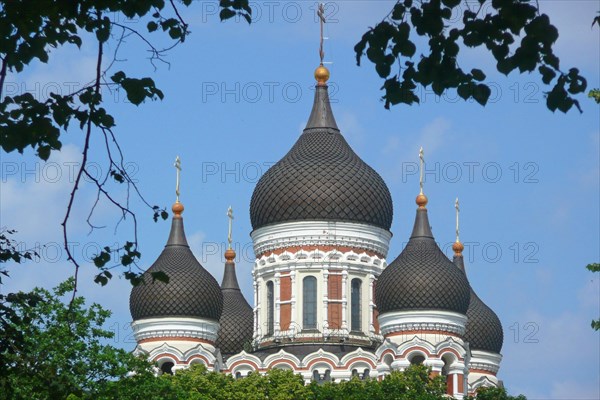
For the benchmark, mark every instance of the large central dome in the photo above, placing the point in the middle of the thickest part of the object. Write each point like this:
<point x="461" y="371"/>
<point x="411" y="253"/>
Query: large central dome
<point x="321" y="178"/>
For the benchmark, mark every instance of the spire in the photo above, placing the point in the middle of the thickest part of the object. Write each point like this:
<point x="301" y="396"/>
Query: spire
<point x="421" y="198"/>
<point x="177" y="234"/>
<point x="321" y="115"/>
<point x="229" y="277"/>
<point x="421" y="227"/>
<point x="458" y="247"/>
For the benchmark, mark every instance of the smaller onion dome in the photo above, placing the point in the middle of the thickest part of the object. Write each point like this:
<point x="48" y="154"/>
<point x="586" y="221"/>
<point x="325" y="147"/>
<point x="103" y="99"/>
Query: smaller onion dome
<point x="191" y="292"/>
<point x="483" y="330"/>
<point x="422" y="277"/>
<point x="237" y="319"/>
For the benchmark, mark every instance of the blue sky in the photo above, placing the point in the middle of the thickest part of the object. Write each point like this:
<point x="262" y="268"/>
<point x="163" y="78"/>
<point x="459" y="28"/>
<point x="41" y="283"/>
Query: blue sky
<point x="236" y="99"/>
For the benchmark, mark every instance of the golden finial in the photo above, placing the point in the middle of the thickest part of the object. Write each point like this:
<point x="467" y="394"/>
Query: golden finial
<point x="230" y="253"/>
<point x="321" y="73"/>
<point x="421" y="198"/>
<point x="458" y="247"/>
<point x="177" y="207"/>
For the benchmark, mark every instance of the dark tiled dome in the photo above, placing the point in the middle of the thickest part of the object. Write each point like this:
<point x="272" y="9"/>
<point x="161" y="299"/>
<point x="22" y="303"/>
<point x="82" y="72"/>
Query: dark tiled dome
<point x="191" y="291"/>
<point x="422" y="277"/>
<point x="321" y="178"/>
<point x="484" y="330"/>
<point x="237" y="319"/>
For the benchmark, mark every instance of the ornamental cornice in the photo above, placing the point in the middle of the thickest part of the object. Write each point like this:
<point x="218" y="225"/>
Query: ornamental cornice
<point x="299" y="234"/>
<point x="423" y="326"/>
<point x="185" y="328"/>
<point x="484" y="366"/>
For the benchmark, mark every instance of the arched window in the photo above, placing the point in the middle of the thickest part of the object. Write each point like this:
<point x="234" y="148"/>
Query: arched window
<point x="309" y="302"/>
<point x="417" y="359"/>
<point x="270" y="309"/>
<point x="355" y="322"/>
<point x="366" y="373"/>
<point x="167" y="368"/>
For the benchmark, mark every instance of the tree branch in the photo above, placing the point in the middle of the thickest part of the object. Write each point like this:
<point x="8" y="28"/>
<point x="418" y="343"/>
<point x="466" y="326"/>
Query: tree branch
<point x="86" y="148"/>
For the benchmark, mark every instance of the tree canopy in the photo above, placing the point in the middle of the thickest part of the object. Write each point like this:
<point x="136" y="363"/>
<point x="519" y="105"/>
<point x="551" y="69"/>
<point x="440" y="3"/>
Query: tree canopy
<point x="50" y="348"/>
<point x="515" y="32"/>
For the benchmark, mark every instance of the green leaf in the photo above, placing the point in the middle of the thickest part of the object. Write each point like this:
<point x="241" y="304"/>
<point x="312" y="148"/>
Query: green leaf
<point x="159" y="276"/>
<point x="226" y="13"/>
<point x="595" y="267"/>
<point x="478" y="74"/>
<point x="464" y="91"/>
<point x="44" y="152"/>
<point x="398" y="12"/>
<point x="101" y="279"/>
<point x="548" y="74"/>
<point x="118" y="77"/>
<point x="152" y="26"/>
<point x="451" y="3"/>
<point x="481" y="94"/>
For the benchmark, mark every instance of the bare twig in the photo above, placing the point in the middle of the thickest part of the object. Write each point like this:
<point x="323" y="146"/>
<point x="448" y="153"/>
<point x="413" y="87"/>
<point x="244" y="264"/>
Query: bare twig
<point x="2" y="76"/>
<point x="80" y="173"/>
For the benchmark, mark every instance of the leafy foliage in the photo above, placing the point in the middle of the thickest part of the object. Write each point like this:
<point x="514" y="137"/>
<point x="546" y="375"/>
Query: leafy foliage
<point x="492" y="393"/>
<point x="30" y="34"/>
<point x="197" y="383"/>
<point x="51" y="350"/>
<point x="10" y="251"/>
<point x="595" y="267"/>
<point x="497" y="29"/>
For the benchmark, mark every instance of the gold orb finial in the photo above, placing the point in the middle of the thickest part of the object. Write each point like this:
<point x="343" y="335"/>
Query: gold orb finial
<point x="229" y="255"/>
<point x="421" y="200"/>
<point x="177" y="209"/>
<point x="458" y="248"/>
<point x="321" y="75"/>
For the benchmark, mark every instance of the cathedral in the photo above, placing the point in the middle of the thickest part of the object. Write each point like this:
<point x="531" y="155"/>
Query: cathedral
<point x="327" y="304"/>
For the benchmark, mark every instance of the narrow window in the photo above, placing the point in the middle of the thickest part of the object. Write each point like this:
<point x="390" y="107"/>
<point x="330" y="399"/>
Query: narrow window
<point x="309" y="302"/>
<point x="270" y="309"/>
<point x="355" y="322"/>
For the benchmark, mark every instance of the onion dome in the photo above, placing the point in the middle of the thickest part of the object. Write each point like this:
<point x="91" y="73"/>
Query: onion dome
<point x="483" y="330"/>
<point x="191" y="292"/>
<point x="321" y="178"/>
<point x="237" y="318"/>
<point x="422" y="277"/>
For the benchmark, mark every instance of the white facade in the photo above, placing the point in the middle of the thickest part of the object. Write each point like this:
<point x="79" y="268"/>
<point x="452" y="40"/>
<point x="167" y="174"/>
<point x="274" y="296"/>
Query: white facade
<point x="177" y="340"/>
<point x="345" y="252"/>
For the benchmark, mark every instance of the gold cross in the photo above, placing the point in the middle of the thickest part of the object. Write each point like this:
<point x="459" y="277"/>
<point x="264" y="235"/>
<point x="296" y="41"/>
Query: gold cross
<point x="177" y="166"/>
<point x="230" y="216"/>
<point x="457" y="212"/>
<point x="321" y="14"/>
<point x="422" y="163"/>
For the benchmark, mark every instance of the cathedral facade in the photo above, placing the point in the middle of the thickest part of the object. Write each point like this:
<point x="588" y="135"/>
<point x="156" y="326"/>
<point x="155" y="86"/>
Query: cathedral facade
<point x="327" y="304"/>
